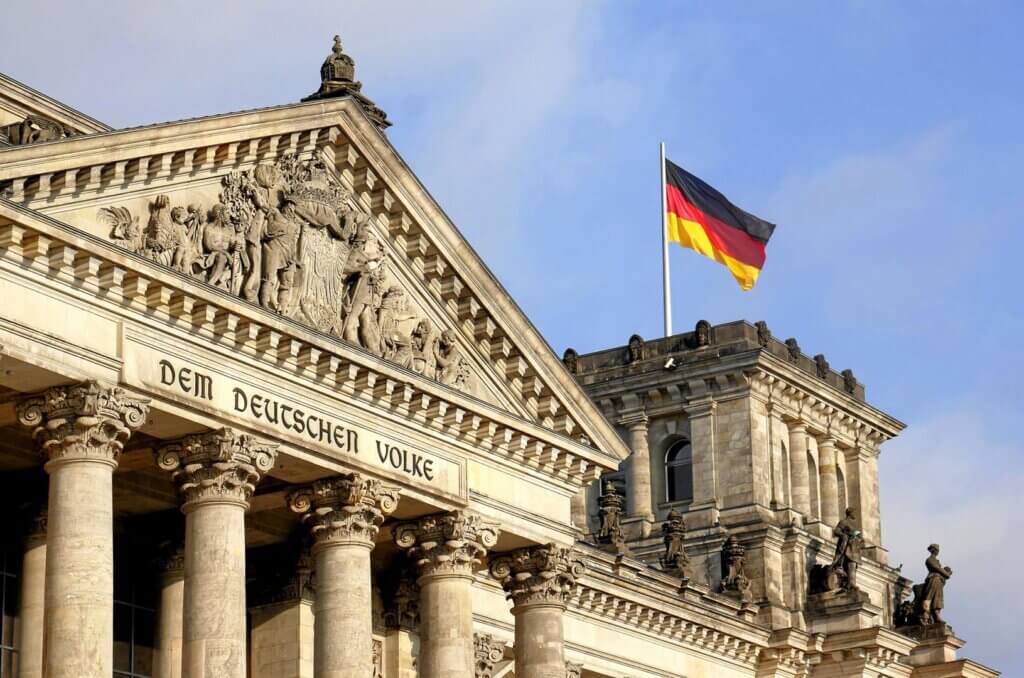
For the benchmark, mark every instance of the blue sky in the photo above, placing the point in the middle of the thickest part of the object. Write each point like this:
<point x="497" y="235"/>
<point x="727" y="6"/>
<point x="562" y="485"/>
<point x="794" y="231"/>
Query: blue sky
<point x="883" y="139"/>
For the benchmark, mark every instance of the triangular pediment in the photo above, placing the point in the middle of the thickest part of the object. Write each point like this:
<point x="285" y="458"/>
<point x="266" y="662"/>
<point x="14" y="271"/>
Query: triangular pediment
<point x="308" y="212"/>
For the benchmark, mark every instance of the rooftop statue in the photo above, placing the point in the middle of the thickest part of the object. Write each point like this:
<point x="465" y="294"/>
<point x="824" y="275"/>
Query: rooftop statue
<point x="928" y="596"/>
<point x="338" y="79"/>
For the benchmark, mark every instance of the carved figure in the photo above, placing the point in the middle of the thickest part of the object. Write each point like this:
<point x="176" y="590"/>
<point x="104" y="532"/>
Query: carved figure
<point x="395" y="344"/>
<point x="187" y="248"/>
<point x="821" y="367"/>
<point x="35" y="129"/>
<point x="279" y="256"/>
<point x="929" y="596"/>
<point x="571" y="360"/>
<point x="452" y="368"/>
<point x="702" y="334"/>
<point x="424" y="349"/>
<point x="847" y="557"/>
<point x="793" y="349"/>
<point x="224" y="249"/>
<point x="764" y="335"/>
<point x="674" y="534"/>
<point x="734" y="577"/>
<point x="849" y="381"/>
<point x="124" y="227"/>
<point x="609" y="513"/>
<point x="637" y="348"/>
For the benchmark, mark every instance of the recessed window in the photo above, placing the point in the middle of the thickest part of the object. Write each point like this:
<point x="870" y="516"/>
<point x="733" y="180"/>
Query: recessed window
<point x="679" y="471"/>
<point x="8" y="600"/>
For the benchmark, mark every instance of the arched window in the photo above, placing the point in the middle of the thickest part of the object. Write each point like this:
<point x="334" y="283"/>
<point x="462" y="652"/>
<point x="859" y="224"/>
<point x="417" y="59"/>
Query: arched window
<point x="679" y="471"/>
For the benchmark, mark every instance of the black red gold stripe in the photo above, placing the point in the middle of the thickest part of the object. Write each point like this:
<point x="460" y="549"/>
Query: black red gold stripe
<point x="701" y="218"/>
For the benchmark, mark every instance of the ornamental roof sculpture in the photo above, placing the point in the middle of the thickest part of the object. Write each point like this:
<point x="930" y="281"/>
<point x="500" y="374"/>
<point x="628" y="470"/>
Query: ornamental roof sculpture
<point x="338" y="79"/>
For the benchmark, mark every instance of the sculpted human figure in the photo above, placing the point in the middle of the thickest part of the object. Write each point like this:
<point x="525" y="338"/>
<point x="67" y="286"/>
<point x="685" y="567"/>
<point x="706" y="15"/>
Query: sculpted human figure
<point x="265" y="191"/>
<point x="448" y="358"/>
<point x="636" y="348"/>
<point x="848" y="543"/>
<point x="394" y="344"/>
<point x="930" y="599"/>
<point x="702" y="334"/>
<point x="220" y="242"/>
<point x="187" y="250"/>
<point x="364" y="273"/>
<point x="279" y="256"/>
<point x="424" y="342"/>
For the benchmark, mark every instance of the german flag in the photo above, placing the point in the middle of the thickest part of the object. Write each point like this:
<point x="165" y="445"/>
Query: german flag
<point x="701" y="218"/>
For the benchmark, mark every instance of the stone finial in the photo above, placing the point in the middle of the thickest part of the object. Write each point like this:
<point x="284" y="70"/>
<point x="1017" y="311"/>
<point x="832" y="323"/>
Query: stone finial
<point x="793" y="349"/>
<point x="636" y="350"/>
<point x="764" y="335"/>
<point x="573" y="670"/>
<point x="217" y="466"/>
<point x="487" y="651"/>
<point x="447" y="543"/>
<point x="849" y="381"/>
<point x="571" y="360"/>
<point x="347" y="508"/>
<point x="734" y="576"/>
<point x="82" y="421"/>
<point x="338" y="79"/>
<point x="538" y="574"/>
<point x="675" y="559"/>
<point x="821" y="367"/>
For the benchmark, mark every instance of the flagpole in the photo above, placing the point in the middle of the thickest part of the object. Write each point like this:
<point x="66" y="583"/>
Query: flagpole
<point x="664" y="249"/>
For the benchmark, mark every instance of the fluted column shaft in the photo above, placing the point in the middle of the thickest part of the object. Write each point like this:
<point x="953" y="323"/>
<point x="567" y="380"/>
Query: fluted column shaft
<point x="344" y="515"/>
<point x="217" y="473"/>
<point x="32" y="603"/>
<point x="82" y="430"/>
<point x="447" y="549"/>
<point x="830" y="509"/>
<point x="539" y="581"/>
<point x="170" y="621"/>
<point x="800" y="488"/>
<point x="638" y="482"/>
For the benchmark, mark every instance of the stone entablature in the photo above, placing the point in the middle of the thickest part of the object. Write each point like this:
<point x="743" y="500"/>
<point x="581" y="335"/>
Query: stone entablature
<point x="126" y="284"/>
<point x="204" y="150"/>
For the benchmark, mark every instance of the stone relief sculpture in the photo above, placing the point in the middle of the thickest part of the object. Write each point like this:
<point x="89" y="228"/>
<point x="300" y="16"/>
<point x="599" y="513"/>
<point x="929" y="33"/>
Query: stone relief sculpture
<point x="35" y="129"/>
<point x="734" y="576"/>
<point x="674" y="559"/>
<point x="290" y="238"/>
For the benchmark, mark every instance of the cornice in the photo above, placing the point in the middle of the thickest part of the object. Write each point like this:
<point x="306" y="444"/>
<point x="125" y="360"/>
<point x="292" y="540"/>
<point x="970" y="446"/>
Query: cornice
<point x="30" y="100"/>
<point x="132" y="286"/>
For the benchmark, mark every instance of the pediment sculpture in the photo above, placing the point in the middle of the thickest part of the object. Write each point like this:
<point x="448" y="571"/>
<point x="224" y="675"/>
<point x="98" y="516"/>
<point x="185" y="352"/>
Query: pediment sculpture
<point x="289" y="237"/>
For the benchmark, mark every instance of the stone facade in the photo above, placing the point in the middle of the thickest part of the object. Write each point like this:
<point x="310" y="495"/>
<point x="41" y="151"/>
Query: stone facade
<point x="266" y="414"/>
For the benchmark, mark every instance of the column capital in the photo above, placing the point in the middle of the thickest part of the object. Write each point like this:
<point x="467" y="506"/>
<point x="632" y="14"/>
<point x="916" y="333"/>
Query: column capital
<point x="221" y="466"/>
<point x="487" y="650"/>
<point x="544" y="575"/>
<point x="82" y="422"/>
<point x="796" y="426"/>
<point x="636" y="421"/>
<point x="345" y="509"/>
<point x="448" y="543"/>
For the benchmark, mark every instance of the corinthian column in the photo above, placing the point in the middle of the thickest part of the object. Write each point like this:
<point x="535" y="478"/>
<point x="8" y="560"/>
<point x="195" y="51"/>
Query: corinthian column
<point x="344" y="515"/>
<point x="32" y="603"/>
<point x="447" y="548"/>
<point x="539" y="580"/>
<point x="82" y="430"/>
<point x="216" y="474"/>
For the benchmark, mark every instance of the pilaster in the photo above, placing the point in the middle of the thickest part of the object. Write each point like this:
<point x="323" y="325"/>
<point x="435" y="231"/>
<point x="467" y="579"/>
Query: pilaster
<point x="704" y="509"/>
